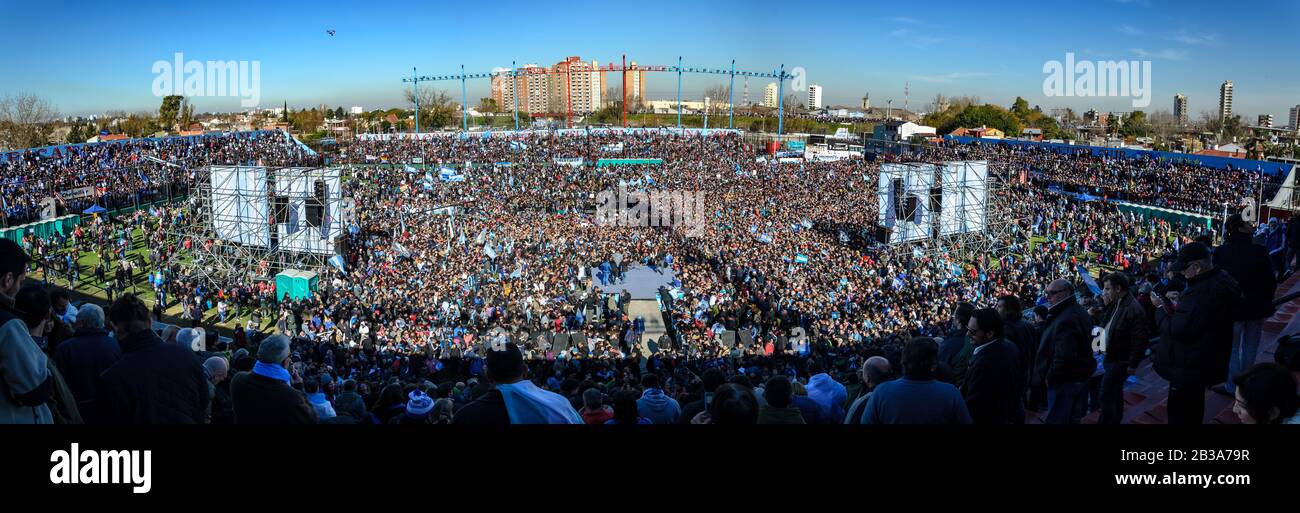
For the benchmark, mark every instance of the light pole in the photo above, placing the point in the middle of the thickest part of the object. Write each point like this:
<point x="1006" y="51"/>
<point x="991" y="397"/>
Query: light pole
<point x="706" y="112"/>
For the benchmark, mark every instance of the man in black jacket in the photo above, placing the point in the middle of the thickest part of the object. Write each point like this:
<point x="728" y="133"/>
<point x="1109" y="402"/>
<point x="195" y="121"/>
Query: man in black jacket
<point x="1127" y="335"/>
<point x="1064" y="360"/>
<point x="955" y="350"/>
<point x="1249" y="264"/>
<point x="264" y="395"/>
<point x="1021" y="333"/>
<point x="993" y="380"/>
<point x="85" y="356"/>
<point x="153" y="382"/>
<point x="1195" y="332"/>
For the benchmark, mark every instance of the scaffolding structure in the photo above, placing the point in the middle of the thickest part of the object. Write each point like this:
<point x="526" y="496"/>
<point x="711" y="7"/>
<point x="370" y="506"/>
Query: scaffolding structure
<point x="251" y="222"/>
<point x="959" y="207"/>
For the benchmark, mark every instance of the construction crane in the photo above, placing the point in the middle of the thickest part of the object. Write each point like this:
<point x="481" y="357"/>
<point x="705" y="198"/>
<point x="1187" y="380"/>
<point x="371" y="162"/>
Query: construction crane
<point x="780" y="75"/>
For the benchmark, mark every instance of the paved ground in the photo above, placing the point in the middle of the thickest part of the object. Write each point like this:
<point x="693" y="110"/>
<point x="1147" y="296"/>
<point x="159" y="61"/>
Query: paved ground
<point x="642" y="282"/>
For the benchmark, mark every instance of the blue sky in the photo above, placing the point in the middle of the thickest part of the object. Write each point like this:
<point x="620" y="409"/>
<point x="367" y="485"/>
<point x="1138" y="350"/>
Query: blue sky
<point x="91" y="57"/>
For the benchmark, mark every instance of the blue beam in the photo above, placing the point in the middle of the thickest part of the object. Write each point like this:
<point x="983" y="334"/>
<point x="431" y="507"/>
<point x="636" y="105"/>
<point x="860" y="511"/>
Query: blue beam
<point x="679" y="93"/>
<point x="464" y="102"/>
<point x="731" y="97"/>
<point x="780" y="101"/>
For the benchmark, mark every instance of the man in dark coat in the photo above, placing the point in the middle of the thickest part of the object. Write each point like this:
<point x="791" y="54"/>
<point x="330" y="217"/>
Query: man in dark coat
<point x="1064" y="360"/>
<point x="1127" y="334"/>
<point x="82" y="358"/>
<point x="955" y="350"/>
<point x="153" y="382"/>
<point x="1020" y="332"/>
<point x="993" y="381"/>
<point x="264" y="395"/>
<point x="1248" y="263"/>
<point x="1195" y="332"/>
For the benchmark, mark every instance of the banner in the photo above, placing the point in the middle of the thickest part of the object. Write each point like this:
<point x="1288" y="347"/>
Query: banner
<point x="569" y="161"/>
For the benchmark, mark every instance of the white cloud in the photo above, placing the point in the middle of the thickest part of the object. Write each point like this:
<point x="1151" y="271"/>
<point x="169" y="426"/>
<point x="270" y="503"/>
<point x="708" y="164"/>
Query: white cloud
<point x="1166" y="54"/>
<point x="1129" y="30"/>
<point x="909" y="21"/>
<point x="1194" y="39"/>
<point x="900" y="33"/>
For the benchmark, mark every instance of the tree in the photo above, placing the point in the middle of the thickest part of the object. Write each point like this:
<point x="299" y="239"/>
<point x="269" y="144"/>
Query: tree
<point x="76" y="134"/>
<point x="973" y="116"/>
<point x="169" y="110"/>
<point x="436" y="107"/>
<point x="338" y="113"/>
<point x="284" y="114"/>
<point x="138" y="125"/>
<point x="1021" y="109"/>
<point x="717" y="95"/>
<point x="488" y="105"/>
<point x="1135" y="125"/>
<point x="792" y="102"/>
<point x="187" y="114"/>
<point x="1233" y="127"/>
<point x="26" y="121"/>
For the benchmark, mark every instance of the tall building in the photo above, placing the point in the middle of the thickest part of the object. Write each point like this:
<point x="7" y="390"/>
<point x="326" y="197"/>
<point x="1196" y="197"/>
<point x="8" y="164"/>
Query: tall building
<point x="814" y="97"/>
<point x="635" y="84"/>
<point x="1225" y="99"/>
<point x="503" y="88"/>
<point x="1266" y="120"/>
<point x="866" y="101"/>
<point x="1295" y="118"/>
<point x="576" y="86"/>
<point x="534" y="93"/>
<point x="770" y="95"/>
<point x="1180" y="108"/>
<point x="531" y="94"/>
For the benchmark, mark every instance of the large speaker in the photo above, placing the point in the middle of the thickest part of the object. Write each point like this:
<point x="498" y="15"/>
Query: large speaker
<point x="315" y="205"/>
<point x="729" y="339"/>
<point x="579" y="340"/>
<point x="746" y="338"/>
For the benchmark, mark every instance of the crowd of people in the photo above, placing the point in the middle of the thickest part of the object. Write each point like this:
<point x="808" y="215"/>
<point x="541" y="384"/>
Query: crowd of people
<point x="433" y="316"/>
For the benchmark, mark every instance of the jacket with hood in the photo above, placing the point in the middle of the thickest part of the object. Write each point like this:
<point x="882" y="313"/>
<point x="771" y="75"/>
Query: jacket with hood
<point x="25" y="381"/>
<point x="657" y="407"/>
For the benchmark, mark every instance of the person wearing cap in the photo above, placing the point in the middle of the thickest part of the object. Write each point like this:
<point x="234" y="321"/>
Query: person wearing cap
<point x="26" y="384"/>
<point x="418" y="408"/>
<point x="1064" y="361"/>
<point x="85" y="356"/>
<point x="1249" y="264"/>
<point x="153" y="382"/>
<point x="265" y="395"/>
<point x="1195" y="332"/>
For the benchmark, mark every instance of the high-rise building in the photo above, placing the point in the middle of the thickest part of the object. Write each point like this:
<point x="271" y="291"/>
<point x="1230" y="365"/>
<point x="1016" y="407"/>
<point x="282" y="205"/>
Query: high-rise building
<point x="635" y="85"/>
<point x="770" y="95"/>
<point x="866" y="101"/>
<point x="1266" y="120"/>
<point x="534" y="93"/>
<point x="1225" y="99"/>
<point x="1180" y="108"/>
<point x="576" y="86"/>
<point x="503" y="88"/>
<point x="1295" y="118"/>
<point x="814" y="97"/>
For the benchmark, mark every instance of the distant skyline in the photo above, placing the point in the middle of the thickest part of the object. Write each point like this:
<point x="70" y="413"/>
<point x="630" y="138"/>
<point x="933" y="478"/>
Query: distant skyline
<point x="90" y="58"/>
